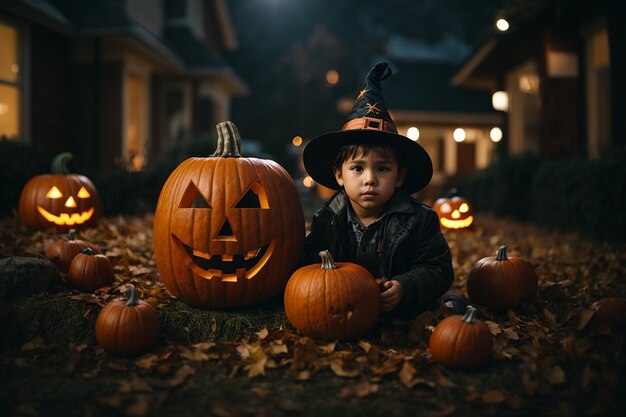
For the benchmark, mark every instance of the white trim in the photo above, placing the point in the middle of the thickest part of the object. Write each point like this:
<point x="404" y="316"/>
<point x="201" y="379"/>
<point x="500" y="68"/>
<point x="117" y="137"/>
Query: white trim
<point x="461" y="76"/>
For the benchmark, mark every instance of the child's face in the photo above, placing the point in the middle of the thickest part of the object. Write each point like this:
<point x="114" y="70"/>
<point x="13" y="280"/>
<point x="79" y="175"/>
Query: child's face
<point x="370" y="181"/>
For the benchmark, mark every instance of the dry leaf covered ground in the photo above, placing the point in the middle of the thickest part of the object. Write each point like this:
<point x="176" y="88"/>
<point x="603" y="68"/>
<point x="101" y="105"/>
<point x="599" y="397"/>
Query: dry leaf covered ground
<point x="551" y="357"/>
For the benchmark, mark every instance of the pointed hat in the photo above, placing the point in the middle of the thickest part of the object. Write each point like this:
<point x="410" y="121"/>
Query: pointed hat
<point x="370" y="122"/>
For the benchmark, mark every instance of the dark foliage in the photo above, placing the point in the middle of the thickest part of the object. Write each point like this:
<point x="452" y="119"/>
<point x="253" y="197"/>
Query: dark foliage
<point x="124" y="192"/>
<point x="19" y="162"/>
<point x="573" y="195"/>
<point x="588" y="196"/>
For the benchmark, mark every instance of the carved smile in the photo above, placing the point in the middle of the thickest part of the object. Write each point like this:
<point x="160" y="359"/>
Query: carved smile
<point x="457" y="224"/>
<point x="66" y="218"/>
<point x="228" y="267"/>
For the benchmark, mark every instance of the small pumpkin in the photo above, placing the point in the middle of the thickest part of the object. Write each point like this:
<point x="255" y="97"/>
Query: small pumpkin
<point x="228" y="230"/>
<point x="611" y="311"/>
<point x="454" y="212"/>
<point x="90" y="271"/>
<point x="500" y="282"/>
<point x="332" y="301"/>
<point x="127" y="327"/>
<point x="59" y="200"/>
<point x="461" y="341"/>
<point x="62" y="251"/>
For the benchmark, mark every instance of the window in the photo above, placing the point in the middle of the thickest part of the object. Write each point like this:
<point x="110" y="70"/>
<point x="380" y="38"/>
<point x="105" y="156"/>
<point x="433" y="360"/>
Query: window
<point x="10" y="82"/>
<point x="137" y="122"/>
<point x="599" y="93"/>
<point x="522" y="84"/>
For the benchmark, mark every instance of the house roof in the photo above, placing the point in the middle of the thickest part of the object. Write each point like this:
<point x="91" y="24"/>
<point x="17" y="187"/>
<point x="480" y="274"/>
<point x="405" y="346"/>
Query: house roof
<point x="424" y="86"/>
<point x="194" y="53"/>
<point x="177" y="46"/>
<point x="502" y="50"/>
<point x="40" y="11"/>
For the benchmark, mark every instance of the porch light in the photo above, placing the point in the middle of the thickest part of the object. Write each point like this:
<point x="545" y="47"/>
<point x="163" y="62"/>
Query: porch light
<point x="413" y="133"/>
<point x="495" y="134"/>
<point x="500" y="100"/>
<point x="502" y="25"/>
<point x="459" y="135"/>
<point x="332" y="77"/>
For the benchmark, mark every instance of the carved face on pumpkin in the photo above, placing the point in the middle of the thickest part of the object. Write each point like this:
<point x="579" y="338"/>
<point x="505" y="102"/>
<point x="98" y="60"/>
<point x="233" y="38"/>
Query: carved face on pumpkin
<point x="454" y="213"/>
<point x="59" y="201"/>
<point x="228" y="231"/>
<point x="223" y="255"/>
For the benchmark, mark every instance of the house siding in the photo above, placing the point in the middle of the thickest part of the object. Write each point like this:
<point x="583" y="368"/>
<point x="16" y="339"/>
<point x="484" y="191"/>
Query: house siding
<point x="148" y="13"/>
<point x="50" y="108"/>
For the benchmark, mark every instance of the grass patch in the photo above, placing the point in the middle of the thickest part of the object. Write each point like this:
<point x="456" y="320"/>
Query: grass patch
<point x="184" y="324"/>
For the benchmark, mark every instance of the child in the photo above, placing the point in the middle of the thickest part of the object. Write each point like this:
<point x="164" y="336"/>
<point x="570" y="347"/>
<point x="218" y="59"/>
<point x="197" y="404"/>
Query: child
<point x="372" y="220"/>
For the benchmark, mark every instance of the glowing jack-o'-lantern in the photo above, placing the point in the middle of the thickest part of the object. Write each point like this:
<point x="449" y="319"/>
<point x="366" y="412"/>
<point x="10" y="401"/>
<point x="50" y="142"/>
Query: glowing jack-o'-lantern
<point x="59" y="200"/>
<point x="454" y="213"/>
<point x="228" y="230"/>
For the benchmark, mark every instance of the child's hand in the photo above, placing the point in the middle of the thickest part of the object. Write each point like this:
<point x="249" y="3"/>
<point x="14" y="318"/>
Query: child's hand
<point x="390" y="298"/>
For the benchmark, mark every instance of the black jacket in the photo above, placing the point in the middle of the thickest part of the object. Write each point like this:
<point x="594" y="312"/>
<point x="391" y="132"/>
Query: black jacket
<point x="413" y="250"/>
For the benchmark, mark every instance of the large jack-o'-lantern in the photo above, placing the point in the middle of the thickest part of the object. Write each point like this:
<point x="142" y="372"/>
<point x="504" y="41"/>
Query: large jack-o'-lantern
<point x="228" y="230"/>
<point x="59" y="200"/>
<point x="454" y="212"/>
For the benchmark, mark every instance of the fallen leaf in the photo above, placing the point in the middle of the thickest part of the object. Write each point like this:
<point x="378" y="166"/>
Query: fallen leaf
<point x="555" y="375"/>
<point x="359" y="390"/>
<point x="510" y="333"/>
<point x="257" y="368"/>
<point x="493" y="397"/>
<point x="36" y="343"/>
<point x="343" y="369"/>
<point x="262" y="334"/>
<point x="494" y="328"/>
<point x="141" y="407"/>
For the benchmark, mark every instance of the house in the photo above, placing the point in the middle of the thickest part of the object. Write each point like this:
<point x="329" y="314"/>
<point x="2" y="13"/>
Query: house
<point x="561" y="64"/>
<point x="458" y="128"/>
<point x="116" y="82"/>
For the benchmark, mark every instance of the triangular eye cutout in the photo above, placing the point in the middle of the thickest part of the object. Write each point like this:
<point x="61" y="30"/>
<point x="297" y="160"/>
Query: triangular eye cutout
<point x="255" y="197"/>
<point x="192" y="198"/>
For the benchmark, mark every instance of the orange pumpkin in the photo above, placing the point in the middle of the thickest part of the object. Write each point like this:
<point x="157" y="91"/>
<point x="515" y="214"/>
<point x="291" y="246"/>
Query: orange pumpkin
<point x="454" y="212"/>
<point x="62" y="251"/>
<point x="332" y="301"/>
<point x="461" y="341"/>
<point x="501" y="283"/>
<point x="127" y="327"/>
<point x="228" y="230"/>
<point x="90" y="271"/>
<point x="59" y="200"/>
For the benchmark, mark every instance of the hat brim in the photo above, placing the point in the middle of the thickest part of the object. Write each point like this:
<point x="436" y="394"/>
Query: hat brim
<point x="320" y="153"/>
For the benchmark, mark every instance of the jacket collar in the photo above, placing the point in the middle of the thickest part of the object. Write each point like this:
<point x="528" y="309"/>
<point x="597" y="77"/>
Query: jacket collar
<point x="400" y="203"/>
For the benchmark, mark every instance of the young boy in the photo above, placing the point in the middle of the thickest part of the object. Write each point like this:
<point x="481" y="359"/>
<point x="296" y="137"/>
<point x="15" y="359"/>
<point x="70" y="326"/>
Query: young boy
<point x="372" y="220"/>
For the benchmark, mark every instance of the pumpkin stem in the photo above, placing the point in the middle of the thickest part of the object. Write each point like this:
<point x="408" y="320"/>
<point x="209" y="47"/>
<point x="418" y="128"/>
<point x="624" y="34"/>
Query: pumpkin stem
<point x="132" y="296"/>
<point x="451" y="193"/>
<point x="470" y="315"/>
<point x="228" y="141"/>
<point x="327" y="260"/>
<point x="89" y="251"/>
<point x="501" y="256"/>
<point x="59" y="163"/>
<point x="71" y="235"/>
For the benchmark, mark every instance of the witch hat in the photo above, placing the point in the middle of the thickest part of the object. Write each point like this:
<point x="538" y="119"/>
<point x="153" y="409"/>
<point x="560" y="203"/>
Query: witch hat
<point x="370" y="122"/>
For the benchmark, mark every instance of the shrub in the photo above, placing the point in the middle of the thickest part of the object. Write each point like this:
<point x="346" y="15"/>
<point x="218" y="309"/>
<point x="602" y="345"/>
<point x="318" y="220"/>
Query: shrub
<point x="503" y="188"/>
<point x="574" y="195"/>
<point x="19" y="162"/>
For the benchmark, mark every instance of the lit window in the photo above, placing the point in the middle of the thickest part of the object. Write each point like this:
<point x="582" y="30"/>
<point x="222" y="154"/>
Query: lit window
<point x="9" y="83"/>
